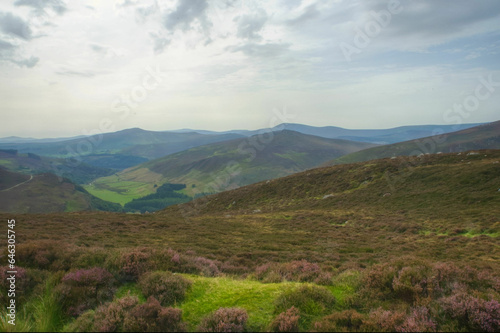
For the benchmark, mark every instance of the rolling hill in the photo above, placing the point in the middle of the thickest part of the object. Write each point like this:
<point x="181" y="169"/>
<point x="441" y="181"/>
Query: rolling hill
<point x="220" y="166"/>
<point x="45" y="193"/>
<point x="119" y="150"/>
<point x="341" y="244"/>
<point x="378" y="136"/>
<point x="79" y="173"/>
<point x="485" y="136"/>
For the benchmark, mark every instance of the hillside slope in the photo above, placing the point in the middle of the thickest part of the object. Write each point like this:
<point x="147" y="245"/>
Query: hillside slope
<point x="119" y="150"/>
<point x="445" y="208"/>
<point x="480" y="137"/>
<point x="217" y="167"/>
<point x="45" y="193"/>
<point x="79" y="173"/>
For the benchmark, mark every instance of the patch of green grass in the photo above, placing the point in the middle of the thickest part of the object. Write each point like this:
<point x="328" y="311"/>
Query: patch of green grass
<point x="209" y="294"/>
<point x="73" y="206"/>
<point x="114" y="189"/>
<point x="42" y="313"/>
<point x="6" y="163"/>
<point x="131" y="289"/>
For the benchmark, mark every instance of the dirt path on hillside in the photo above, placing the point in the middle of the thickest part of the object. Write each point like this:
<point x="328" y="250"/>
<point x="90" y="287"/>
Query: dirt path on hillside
<point x="10" y="188"/>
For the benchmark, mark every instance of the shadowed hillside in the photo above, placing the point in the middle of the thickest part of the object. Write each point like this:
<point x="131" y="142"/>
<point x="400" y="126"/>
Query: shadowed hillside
<point x="480" y="137"/>
<point x="30" y="163"/>
<point x="45" y="193"/>
<point x="119" y="150"/>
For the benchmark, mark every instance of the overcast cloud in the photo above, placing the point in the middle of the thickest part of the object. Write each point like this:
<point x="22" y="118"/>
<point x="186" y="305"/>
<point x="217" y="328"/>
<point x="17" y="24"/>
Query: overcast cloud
<point x="67" y="67"/>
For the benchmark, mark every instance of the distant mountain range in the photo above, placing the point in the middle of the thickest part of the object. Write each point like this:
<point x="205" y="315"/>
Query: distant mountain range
<point x="378" y="136"/>
<point x="485" y="136"/>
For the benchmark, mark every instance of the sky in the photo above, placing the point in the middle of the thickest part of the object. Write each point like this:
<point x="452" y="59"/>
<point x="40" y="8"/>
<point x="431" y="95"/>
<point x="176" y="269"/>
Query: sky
<point x="78" y="67"/>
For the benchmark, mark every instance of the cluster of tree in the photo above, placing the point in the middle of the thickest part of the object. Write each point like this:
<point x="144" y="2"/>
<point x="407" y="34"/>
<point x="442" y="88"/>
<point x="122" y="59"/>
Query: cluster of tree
<point x="166" y="195"/>
<point x="9" y="151"/>
<point x="113" y="161"/>
<point x="83" y="173"/>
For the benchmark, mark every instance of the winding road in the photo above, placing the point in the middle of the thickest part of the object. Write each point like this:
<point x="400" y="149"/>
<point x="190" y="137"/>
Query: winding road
<point x="10" y="188"/>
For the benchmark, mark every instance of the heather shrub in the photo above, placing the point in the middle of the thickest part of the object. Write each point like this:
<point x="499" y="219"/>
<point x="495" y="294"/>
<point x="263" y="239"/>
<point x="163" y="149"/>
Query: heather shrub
<point x="381" y="320"/>
<point x="224" y="320"/>
<point x="411" y="284"/>
<point x="135" y="262"/>
<point x="45" y="255"/>
<point x="231" y="268"/>
<point x="345" y="321"/>
<point x="127" y="315"/>
<point x="377" y="281"/>
<point x="84" y="323"/>
<point x="419" y="320"/>
<point x="312" y="302"/>
<point x="287" y="321"/>
<point x="445" y="276"/>
<point x="26" y="282"/>
<point x="93" y="257"/>
<point x="167" y="287"/>
<point x="472" y="312"/>
<point x="152" y="317"/>
<point x="267" y="274"/>
<point x="207" y="267"/>
<point x="106" y="318"/>
<point x="299" y="270"/>
<point x="85" y="289"/>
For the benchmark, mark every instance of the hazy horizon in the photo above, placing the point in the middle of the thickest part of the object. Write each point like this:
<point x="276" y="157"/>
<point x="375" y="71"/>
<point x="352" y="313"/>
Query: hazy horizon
<point x="73" y="68"/>
<point x="222" y="131"/>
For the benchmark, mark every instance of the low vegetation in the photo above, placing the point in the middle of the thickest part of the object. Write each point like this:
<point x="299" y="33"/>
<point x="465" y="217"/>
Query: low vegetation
<point x="378" y="246"/>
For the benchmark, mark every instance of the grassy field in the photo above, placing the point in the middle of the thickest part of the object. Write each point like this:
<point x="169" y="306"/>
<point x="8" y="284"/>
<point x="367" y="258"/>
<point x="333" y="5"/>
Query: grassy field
<point x="114" y="189"/>
<point x="206" y="295"/>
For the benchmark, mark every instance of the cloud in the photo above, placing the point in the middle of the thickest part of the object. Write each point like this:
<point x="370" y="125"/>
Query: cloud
<point x="9" y="53"/>
<point x="69" y="72"/>
<point x="30" y="62"/>
<point x="187" y="13"/>
<point x="98" y="48"/>
<point x="5" y="46"/>
<point x="126" y="3"/>
<point x="159" y="42"/>
<point x="14" y="26"/>
<point x="433" y="22"/>
<point x="261" y="50"/>
<point x="310" y="13"/>
<point x="39" y="6"/>
<point x="250" y="25"/>
<point x="143" y="13"/>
